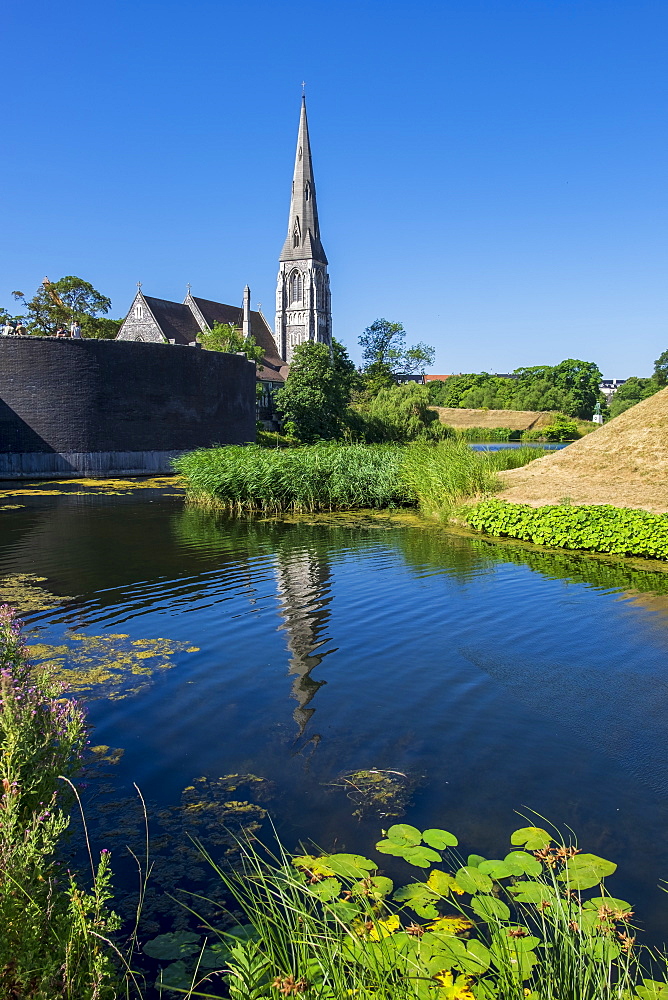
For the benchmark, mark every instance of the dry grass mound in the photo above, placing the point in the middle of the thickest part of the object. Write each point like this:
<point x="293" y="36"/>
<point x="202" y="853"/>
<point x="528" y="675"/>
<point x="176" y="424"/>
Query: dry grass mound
<point x="517" y="420"/>
<point x="624" y="463"/>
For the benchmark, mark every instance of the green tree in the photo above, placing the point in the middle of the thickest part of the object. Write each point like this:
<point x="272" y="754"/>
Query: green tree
<point x="228" y="338"/>
<point x="399" y="413"/>
<point x="633" y="391"/>
<point x="661" y="370"/>
<point x="385" y="354"/>
<point x="59" y="303"/>
<point x="314" y="400"/>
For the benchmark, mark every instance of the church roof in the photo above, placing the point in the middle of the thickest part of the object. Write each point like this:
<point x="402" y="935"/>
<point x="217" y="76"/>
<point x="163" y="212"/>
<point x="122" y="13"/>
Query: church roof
<point x="303" y="239"/>
<point x="175" y="320"/>
<point x="218" y="312"/>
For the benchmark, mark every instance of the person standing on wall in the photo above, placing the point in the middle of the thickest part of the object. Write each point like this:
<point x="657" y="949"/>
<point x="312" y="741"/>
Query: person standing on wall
<point x="75" y="330"/>
<point x="8" y="330"/>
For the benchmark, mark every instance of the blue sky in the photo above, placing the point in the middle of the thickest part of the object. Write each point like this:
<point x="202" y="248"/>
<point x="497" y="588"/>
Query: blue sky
<point x="490" y="173"/>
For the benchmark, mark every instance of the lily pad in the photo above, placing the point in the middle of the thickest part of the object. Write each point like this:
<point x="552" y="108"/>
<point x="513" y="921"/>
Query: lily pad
<point x="532" y="892"/>
<point x="440" y="839"/>
<point x="215" y="956"/>
<point x="328" y="889"/>
<point x="176" y="944"/>
<point x="421" y="857"/>
<point x="584" y="871"/>
<point x="402" y="833"/>
<point x="473" y="880"/>
<point x="349" y="865"/>
<point x="419" y="897"/>
<point x="521" y="863"/>
<point x="174" y="977"/>
<point x="533" y="838"/>
<point x="474" y="860"/>
<point x="442" y="883"/>
<point x="376" y="887"/>
<point x="490" y="908"/>
<point x="495" y="869"/>
<point x="612" y="904"/>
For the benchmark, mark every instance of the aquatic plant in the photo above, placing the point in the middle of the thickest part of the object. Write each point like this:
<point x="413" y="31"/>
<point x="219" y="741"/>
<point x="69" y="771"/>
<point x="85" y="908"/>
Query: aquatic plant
<point x="617" y="530"/>
<point x="311" y="478"/>
<point x="537" y="924"/>
<point x="51" y="927"/>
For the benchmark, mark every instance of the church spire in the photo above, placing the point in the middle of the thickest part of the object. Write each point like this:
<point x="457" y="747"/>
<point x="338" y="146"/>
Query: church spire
<point x="303" y="239"/>
<point x="303" y="305"/>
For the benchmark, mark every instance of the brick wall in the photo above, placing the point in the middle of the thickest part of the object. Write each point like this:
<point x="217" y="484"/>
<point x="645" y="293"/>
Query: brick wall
<point x="86" y="396"/>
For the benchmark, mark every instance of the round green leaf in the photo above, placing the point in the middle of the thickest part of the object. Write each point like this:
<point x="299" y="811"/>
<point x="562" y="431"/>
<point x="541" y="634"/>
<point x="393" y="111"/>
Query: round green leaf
<point x="604" y="949"/>
<point x="175" y="977"/>
<point x="441" y="882"/>
<point x="532" y="837"/>
<point x="215" y="956"/>
<point x="532" y="892"/>
<point x="176" y="944"/>
<point x="402" y="833"/>
<point x="473" y="880"/>
<point x="490" y="908"/>
<point x="328" y="889"/>
<point x="377" y="886"/>
<point x="474" y="860"/>
<point x="495" y="869"/>
<point x="389" y="847"/>
<point x="349" y="865"/>
<point x="421" y="857"/>
<point x="609" y="901"/>
<point x="521" y="863"/>
<point x="440" y="839"/>
<point x="584" y="871"/>
<point x="477" y="959"/>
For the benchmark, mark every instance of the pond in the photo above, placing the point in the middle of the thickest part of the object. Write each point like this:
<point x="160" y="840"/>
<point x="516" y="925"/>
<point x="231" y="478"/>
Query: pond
<point x="478" y="678"/>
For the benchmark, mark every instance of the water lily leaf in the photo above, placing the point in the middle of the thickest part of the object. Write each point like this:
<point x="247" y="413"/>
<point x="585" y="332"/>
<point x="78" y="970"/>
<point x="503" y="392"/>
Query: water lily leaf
<point x="495" y="869"/>
<point x="244" y="932"/>
<point x="526" y="943"/>
<point x="390" y="847"/>
<point x="443" y="884"/>
<point x="450" y="926"/>
<point x="490" y="908"/>
<point x="533" y="838"/>
<point x="328" y="889"/>
<point x="612" y="904"/>
<point x="174" y="976"/>
<point x="584" y="871"/>
<point x="440" y="839"/>
<point x="176" y="944"/>
<point x="473" y="880"/>
<point x="651" y="989"/>
<point x="215" y="956"/>
<point x="519" y="963"/>
<point x="474" y="860"/>
<point x="383" y="928"/>
<point x="478" y="957"/>
<point x="521" y="863"/>
<point x="419" y="898"/>
<point x="318" y="866"/>
<point x="532" y="892"/>
<point x="603" y="949"/>
<point x="421" y="857"/>
<point x="375" y="887"/>
<point x="349" y="865"/>
<point x="402" y="833"/>
<point x="448" y="951"/>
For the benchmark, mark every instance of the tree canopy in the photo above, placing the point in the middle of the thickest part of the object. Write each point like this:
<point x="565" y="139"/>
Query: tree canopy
<point x="59" y="303"/>
<point x="571" y="387"/>
<point x="385" y="355"/>
<point x="229" y="339"/>
<point x="314" y="400"/>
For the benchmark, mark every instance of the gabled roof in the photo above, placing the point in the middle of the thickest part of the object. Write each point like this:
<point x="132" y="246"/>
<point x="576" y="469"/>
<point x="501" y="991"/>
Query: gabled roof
<point x="175" y="320"/>
<point x="218" y="312"/>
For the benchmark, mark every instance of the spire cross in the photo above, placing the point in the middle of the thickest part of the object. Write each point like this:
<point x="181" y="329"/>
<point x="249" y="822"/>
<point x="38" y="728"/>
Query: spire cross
<point x="303" y="89"/>
<point x="188" y="287"/>
<point x="139" y="285"/>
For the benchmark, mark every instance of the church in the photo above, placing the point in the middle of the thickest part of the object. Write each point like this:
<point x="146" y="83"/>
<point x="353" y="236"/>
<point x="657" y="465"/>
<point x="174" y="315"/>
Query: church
<point x="303" y="304"/>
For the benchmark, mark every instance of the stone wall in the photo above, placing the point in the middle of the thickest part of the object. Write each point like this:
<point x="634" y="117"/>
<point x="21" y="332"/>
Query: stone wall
<point x="104" y="408"/>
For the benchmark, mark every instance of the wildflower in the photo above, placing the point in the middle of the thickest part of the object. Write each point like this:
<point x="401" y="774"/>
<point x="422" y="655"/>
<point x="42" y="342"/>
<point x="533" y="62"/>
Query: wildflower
<point x="545" y="904"/>
<point x="546" y="855"/>
<point x="517" y="932"/>
<point x="288" y="985"/>
<point x="624" y="915"/>
<point x="604" y="912"/>
<point x="573" y="925"/>
<point x="567" y="852"/>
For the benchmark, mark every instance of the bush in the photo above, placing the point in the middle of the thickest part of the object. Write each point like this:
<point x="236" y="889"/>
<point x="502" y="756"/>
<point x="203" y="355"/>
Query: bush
<point x="398" y="414"/>
<point x="618" y="530"/>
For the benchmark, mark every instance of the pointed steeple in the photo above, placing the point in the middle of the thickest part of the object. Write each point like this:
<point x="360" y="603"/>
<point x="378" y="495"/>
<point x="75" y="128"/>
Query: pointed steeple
<point x="303" y="239"/>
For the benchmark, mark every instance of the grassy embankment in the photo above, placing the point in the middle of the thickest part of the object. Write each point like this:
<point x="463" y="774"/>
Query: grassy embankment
<point x="343" y="477"/>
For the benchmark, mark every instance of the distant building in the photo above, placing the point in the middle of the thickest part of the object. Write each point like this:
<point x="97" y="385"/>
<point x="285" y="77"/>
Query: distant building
<point x="609" y="386"/>
<point x="436" y="378"/>
<point x="403" y="379"/>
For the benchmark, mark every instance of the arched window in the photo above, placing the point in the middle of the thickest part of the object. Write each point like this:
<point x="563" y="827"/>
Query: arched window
<point x="296" y="286"/>
<point x="307" y="191"/>
<point x="139" y="311"/>
<point x="296" y="234"/>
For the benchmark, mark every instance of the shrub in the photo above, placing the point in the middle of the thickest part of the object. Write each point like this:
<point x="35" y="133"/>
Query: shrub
<point x="617" y="530"/>
<point x="398" y="414"/>
<point x="50" y="939"/>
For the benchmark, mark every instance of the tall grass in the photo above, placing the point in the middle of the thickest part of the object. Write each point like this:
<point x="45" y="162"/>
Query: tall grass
<point x="51" y="928"/>
<point x="442" y="477"/>
<point x="301" y="480"/>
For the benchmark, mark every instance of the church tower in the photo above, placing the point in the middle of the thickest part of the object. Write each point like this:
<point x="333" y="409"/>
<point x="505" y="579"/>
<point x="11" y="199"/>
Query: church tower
<point x="303" y="307"/>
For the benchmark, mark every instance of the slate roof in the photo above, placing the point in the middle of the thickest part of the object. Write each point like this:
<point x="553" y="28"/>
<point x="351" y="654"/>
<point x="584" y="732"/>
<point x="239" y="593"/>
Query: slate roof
<point x="175" y="320"/>
<point x="275" y="368"/>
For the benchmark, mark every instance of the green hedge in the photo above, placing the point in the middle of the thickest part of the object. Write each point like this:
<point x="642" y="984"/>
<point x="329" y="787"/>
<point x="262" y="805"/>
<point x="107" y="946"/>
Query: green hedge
<point x="601" y="529"/>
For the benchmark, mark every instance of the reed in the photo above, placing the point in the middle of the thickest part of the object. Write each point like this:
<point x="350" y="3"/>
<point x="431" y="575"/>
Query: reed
<point x="300" y="480"/>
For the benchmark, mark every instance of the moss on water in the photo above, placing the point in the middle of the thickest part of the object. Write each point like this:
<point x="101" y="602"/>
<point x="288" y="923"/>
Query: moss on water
<point x="24" y="592"/>
<point x="103" y="666"/>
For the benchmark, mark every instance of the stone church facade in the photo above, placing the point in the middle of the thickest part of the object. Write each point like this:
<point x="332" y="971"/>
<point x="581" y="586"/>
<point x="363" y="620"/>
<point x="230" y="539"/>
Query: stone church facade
<point x="303" y="303"/>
